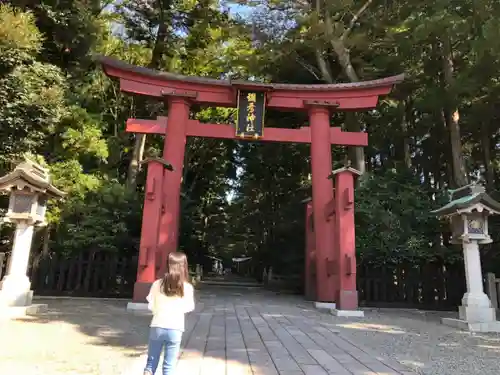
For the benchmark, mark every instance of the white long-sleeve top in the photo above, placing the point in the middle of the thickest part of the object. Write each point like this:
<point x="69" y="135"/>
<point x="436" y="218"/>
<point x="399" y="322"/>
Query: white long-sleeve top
<point x="169" y="311"/>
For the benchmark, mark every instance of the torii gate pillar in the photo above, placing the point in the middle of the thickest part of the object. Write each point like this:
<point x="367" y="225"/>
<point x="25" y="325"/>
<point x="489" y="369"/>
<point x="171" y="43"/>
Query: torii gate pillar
<point x="345" y="243"/>
<point x="309" y="256"/>
<point x="149" y="255"/>
<point x="173" y="150"/>
<point x="322" y="194"/>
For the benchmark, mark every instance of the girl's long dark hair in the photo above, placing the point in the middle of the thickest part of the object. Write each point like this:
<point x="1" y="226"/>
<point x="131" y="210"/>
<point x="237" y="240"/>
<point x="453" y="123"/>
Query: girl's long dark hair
<point x="176" y="275"/>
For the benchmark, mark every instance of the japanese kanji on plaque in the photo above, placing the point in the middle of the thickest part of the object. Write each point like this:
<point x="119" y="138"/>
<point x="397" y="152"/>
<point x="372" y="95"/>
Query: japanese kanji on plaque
<point x="250" y="115"/>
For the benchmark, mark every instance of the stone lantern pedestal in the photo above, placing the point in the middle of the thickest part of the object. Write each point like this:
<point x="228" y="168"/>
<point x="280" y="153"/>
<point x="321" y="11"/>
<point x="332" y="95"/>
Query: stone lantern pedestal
<point x="29" y="188"/>
<point x="16" y="285"/>
<point x="476" y="305"/>
<point x="468" y="212"/>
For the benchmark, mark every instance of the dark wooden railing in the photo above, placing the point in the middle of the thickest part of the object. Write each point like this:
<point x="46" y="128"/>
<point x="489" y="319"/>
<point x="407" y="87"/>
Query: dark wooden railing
<point x="430" y="285"/>
<point x="103" y="274"/>
<point x="96" y="274"/>
<point x="493" y="289"/>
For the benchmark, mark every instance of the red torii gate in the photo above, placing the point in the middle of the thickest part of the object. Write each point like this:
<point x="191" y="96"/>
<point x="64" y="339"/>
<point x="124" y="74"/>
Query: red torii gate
<point x="334" y="258"/>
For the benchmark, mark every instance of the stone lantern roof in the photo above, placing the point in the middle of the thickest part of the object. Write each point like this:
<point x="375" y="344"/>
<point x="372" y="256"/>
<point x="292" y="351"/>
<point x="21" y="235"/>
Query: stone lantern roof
<point x="468" y="198"/>
<point x="30" y="176"/>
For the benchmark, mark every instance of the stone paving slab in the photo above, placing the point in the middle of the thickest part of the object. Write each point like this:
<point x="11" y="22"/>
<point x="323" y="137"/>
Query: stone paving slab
<point x="249" y="334"/>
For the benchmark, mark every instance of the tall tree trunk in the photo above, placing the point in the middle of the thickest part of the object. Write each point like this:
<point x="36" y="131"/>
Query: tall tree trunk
<point x="155" y="63"/>
<point x="344" y="58"/>
<point x="134" y="166"/>
<point x="160" y="42"/>
<point x="323" y="66"/>
<point x="356" y="154"/>
<point x="486" y="148"/>
<point x="44" y="253"/>
<point x="405" y="121"/>
<point x="436" y="161"/>
<point x="401" y="145"/>
<point x="451" y="116"/>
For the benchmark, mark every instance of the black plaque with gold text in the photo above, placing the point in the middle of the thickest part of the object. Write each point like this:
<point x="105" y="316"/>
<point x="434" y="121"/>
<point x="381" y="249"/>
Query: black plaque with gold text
<point x="250" y="115"/>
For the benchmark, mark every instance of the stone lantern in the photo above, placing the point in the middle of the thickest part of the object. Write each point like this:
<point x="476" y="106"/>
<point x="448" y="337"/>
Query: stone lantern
<point x="468" y="212"/>
<point x="30" y="188"/>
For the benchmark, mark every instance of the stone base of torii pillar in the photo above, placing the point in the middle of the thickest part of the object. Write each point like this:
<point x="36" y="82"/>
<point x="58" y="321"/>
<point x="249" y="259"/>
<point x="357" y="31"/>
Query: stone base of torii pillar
<point x="15" y="289"/>
<point x="476" y="313"/>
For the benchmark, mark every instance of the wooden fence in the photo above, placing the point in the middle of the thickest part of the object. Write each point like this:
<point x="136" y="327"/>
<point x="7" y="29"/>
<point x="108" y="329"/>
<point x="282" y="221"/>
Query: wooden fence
<point x="291" y="282"/>
<point x="493" y="290"/>
<point x="89" y="274"/>
<point x="427" y="286"/>
<point x="432" y="286"/>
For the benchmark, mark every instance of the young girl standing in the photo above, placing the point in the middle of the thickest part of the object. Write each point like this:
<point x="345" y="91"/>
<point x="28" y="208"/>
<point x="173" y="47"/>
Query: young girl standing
<point x="169" y="299"/>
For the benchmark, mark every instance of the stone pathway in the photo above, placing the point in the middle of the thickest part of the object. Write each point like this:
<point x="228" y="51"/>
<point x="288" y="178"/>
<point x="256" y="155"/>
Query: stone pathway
<point x="237" y="331"/>
<point x="234" y="333"/>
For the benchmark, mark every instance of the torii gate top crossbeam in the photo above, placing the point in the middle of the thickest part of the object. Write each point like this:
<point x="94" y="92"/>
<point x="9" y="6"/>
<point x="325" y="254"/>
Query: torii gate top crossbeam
<point x="223" y="93"/>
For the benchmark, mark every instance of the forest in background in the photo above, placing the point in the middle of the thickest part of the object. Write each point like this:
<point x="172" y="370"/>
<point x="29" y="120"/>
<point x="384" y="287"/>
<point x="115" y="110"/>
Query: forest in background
<point x="437" y="130"/>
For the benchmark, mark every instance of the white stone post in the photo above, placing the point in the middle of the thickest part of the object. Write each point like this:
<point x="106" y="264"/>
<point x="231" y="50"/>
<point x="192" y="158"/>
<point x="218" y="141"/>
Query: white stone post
<point x="476" y="306"/>
<point x="16" y="284"/>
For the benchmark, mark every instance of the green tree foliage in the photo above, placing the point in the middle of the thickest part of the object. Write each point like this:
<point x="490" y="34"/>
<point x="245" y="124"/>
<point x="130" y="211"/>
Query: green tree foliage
<point x="68" y="29"/>
<point x="393" y="219"/>
<point x="32" y="95"/>
<point x="436" y="130"/>
<point x="106" y="219"/>
<point x="40" y="117"/>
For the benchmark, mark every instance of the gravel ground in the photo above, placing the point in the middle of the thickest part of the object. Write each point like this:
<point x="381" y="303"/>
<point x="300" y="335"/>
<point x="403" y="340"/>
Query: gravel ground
<point x="98" y="337"/>
<point x="75" y="337"/>
<point x="421" y="342"/>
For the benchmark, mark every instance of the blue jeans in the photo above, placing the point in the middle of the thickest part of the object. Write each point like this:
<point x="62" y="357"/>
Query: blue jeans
<point x="159" y="337"/>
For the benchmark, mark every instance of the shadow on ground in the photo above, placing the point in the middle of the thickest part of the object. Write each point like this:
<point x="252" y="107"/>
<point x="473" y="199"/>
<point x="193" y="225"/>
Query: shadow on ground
<point x="106" y="322"/>
<point x="232" y="328"/>
<point x="92" y="336"/>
